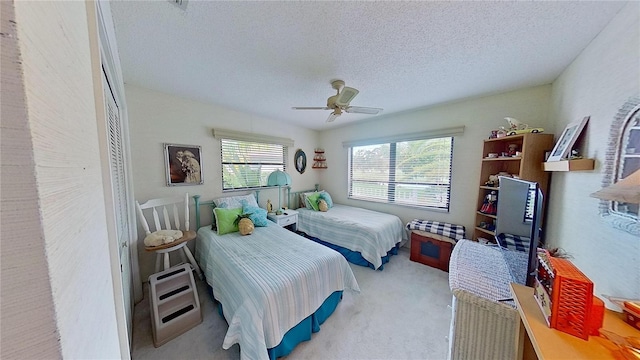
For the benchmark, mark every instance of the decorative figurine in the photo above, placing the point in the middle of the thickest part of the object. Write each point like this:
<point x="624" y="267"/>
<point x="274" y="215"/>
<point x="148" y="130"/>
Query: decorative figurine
<point x="489" y="205"/>
<point x="515" y="124"/>
<point x="269" y="206"/>
<point x="513" y="148"/>
<point x="517" y="127"/>
<point x="575" y="154"/>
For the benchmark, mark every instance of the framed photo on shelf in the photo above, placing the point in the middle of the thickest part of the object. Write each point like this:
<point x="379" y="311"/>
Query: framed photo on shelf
<point x="562" y="149"/>
<point x="183" y="164"/>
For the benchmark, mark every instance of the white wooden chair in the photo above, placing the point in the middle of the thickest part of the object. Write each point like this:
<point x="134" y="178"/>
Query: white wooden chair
<point x="166" y="205"/>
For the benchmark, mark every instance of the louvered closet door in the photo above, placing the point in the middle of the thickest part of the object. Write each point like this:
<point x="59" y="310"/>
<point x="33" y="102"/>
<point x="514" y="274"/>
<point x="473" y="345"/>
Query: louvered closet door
<point x="120" y="196"/>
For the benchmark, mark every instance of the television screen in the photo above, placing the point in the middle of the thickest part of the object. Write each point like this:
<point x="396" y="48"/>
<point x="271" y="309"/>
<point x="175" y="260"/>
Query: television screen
<point x="519" y="216"/>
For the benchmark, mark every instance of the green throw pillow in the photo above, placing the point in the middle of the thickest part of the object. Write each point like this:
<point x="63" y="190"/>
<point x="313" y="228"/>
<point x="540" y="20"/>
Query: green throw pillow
<point x="225" y="219"/>
<point x="312" y="200"/>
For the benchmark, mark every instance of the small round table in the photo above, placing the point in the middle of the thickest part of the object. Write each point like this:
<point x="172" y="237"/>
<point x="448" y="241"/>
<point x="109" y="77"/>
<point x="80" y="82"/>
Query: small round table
<point x="162" y="252"/>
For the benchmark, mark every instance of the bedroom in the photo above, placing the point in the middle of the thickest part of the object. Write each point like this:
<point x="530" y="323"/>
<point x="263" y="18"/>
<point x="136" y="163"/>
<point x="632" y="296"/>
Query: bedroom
<point x="605" y="254"/>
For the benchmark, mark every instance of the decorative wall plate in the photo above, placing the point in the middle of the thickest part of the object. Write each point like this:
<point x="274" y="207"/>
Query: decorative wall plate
<point x="300" y="160"/>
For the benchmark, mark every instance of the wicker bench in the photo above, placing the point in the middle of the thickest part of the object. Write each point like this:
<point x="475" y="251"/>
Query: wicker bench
<point x="484" y="323"/>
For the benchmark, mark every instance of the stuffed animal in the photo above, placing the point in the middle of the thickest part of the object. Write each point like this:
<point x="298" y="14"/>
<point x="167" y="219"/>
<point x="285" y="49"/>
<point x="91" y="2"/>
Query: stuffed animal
<point x="493" y="180"/>
<point x="162" y="237"/>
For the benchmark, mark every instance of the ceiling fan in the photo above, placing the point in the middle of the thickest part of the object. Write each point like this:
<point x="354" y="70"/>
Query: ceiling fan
<point x="339" y="102"/>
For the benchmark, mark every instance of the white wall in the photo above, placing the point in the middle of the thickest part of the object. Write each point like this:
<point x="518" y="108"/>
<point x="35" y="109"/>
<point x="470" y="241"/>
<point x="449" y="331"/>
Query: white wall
<point x="157" y="118"/>
<point x="596" y="84"/>
<point x="65" y="260"/>
<point x="479" y="116"/>
<point x="24" y="275"/>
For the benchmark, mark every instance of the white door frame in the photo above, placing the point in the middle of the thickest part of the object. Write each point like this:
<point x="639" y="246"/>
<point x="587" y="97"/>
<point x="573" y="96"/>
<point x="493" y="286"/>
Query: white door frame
<point x="112" y="66"/>
<point x="105" y="56"/>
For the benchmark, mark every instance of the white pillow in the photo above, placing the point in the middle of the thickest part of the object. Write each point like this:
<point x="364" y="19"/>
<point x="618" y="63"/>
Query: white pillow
<point x="234" y="202"/>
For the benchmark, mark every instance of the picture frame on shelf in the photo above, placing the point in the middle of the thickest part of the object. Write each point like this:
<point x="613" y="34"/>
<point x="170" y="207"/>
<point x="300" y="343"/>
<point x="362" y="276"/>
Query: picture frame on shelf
<point x="567" y="139"/>
<point x="300" y="161"/>
<point x="183" y="164"/>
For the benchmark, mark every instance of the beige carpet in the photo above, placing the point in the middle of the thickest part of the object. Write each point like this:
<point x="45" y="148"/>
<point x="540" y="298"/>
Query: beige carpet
<point x="401" y="313"/>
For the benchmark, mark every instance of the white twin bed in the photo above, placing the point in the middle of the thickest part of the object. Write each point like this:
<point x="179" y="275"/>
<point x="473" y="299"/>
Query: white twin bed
<point x="364" y="237"/>
<point x="275" y="287"/>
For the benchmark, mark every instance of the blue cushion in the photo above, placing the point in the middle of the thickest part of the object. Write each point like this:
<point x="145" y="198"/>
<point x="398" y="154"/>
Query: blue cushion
<point x="326" y="197"/>
<point x="258" y="215"/>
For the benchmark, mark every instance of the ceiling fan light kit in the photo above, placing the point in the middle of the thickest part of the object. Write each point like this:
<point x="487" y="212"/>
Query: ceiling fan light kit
<point x="340" y="102"/>
<point x="346" y="95"/>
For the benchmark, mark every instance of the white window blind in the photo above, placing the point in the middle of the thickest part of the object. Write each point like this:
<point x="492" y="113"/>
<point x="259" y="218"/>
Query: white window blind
<point x="247" y="164"/>
<point x="414" y="173"/>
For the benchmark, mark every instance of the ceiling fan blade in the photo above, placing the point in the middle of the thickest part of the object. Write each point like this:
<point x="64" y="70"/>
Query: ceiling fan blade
<point x="310" y="108"/>
<point x="362" y="110"/>
<point x="332" y="117"/>
<point x="346" y="95"/>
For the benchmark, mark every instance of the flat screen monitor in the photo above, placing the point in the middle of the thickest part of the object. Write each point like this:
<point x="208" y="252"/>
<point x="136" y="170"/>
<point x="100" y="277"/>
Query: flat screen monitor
<point x="518" y="227"/>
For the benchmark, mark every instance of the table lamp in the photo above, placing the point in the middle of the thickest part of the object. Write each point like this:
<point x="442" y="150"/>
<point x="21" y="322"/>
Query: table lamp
<point x="279" y="178"/>
<point x="626" y="190"/>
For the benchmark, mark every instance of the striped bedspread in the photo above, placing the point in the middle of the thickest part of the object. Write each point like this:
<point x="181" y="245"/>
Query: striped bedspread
<point x="268" y="282"/>
<point x="369" y="232"/>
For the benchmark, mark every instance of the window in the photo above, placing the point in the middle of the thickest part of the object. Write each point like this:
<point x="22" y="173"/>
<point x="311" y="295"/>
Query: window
<point x="413" y="173"/>
<point x="622" y="163"/>
<point x="247" y="164"/>
<point x="629" y="161"/>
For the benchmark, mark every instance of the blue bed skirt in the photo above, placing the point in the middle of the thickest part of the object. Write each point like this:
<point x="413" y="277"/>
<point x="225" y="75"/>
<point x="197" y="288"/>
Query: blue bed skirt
<point x="355" y="257"/>
<point x="304" y="329"/>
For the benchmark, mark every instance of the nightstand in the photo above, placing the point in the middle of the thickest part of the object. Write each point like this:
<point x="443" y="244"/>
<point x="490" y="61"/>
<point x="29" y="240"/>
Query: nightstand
<point x="288" y="219"/>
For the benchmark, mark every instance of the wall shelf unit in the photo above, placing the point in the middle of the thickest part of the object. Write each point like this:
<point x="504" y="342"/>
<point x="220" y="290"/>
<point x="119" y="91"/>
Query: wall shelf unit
<point x="531" y="148"/>
<point x="570" y="165"/>
<point x="319" y="161"/>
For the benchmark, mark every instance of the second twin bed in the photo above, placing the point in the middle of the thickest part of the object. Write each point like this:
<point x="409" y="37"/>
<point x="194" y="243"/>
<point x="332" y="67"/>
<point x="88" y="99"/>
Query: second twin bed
<point x="364" y="237"/>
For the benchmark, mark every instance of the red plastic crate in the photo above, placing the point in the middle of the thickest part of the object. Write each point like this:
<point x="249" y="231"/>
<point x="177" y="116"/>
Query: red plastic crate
<point x="569" y="294"/>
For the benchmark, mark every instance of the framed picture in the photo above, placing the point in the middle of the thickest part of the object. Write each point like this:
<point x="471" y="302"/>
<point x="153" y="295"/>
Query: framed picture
<point x="562" y="149"/>
<point x="300" y="161"/>
<point x="183" y="164"/>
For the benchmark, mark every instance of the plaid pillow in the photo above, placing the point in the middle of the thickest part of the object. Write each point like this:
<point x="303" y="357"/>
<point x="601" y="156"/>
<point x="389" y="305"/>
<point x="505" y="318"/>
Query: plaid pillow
<point x="436" y="227"/>
<point x="514" y="242"/>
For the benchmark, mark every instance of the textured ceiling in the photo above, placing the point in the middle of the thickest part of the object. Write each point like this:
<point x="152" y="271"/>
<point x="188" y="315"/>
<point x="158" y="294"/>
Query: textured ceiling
<point x="263" y="58"/>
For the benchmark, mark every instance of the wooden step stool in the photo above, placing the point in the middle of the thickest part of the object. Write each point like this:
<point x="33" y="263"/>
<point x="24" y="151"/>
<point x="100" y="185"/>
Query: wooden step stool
<point x="175" y="306"/>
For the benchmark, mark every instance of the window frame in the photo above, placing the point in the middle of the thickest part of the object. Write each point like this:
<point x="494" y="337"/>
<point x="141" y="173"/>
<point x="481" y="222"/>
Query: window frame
<point x="392" y="183"/>
<point x="277" y="165"/>
<point x="618" y="143"/>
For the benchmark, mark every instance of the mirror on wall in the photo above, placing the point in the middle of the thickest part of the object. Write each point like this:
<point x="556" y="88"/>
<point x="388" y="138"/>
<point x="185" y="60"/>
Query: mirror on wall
<point x="622" y="165"/>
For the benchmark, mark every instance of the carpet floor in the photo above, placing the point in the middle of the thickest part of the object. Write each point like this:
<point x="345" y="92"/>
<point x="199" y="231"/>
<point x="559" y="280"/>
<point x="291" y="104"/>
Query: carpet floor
<point x="401" y="313"/>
